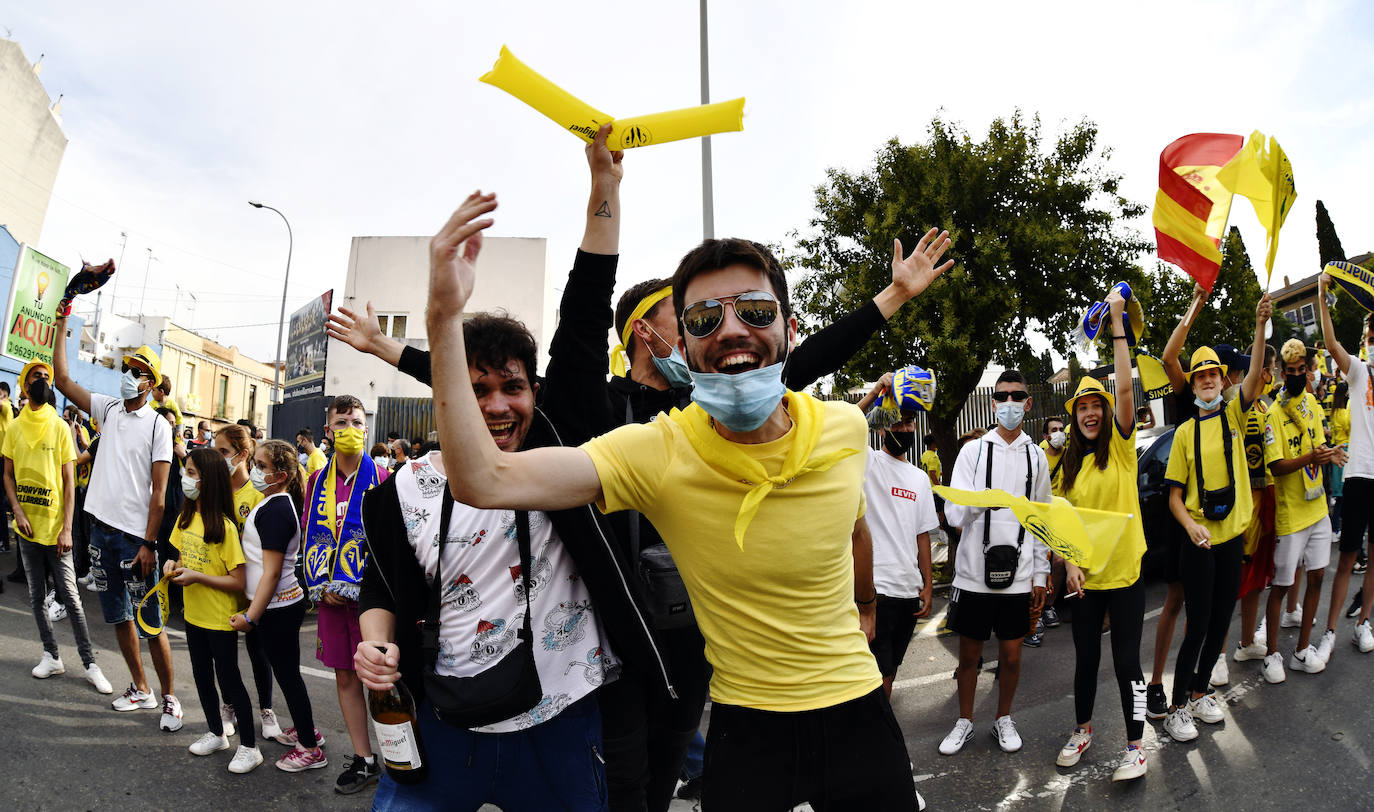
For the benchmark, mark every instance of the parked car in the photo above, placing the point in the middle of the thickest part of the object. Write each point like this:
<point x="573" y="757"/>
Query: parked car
<point x="1152" y="460"/>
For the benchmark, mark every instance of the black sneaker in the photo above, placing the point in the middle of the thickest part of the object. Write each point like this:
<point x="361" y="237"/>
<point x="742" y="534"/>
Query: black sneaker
<point x="690" y="790"/>
<point x="358" y="775"/>
<point x="1156" y="704"/>
<point x="1050" y="617"/>
<point x="1035" y="640"/>
<point x="1356" y="604"/>
<point x="1361" y="564"/>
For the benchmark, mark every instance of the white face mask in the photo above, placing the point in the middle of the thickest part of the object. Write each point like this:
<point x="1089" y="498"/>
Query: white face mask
<point x="190" y="485"/>
<point x="1058" y="438"/>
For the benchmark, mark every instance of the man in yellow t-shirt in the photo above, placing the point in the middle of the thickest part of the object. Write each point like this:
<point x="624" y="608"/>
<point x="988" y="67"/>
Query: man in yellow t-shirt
<point x="758" y="493"/>
<point x="930" y="460"/>
<point x="1295" y="449"/>
<point x="40" y="482"/>
<point x="314" y="457"/>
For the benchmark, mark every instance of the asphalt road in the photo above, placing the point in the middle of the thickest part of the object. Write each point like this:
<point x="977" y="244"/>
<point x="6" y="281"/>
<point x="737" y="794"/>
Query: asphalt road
<point x="1308" y="742"/>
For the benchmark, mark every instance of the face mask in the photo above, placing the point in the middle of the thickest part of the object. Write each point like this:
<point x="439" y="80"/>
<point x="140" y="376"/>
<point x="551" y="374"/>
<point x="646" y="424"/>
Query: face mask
<point x="128" y="386"/>
<point x="38" y="391"/>
<point x="190" y="486"/>
<point x="229" y="461"/>
<point x="673" y="368"/>
<point x="1057" y="439"/>
<point x="384" y="462"/>
<point x="1294" y="384"/>
<point x="348" y="441"/>
<point x="300" y="449"/>
<point x="739" y="402"/>
<point x="259" y="478"/>
<point x="1208" y="405"/>
<point x="898" y="443"/>
<point x="1010" y="414"/>
<point x="207" y="435"/>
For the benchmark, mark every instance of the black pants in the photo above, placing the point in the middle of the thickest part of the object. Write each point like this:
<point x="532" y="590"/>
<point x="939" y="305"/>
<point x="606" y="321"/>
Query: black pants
<point x="646" y="732"/>
<point x="1127" y="606"/>
<point x="850" y="756"/>
<point x="278" y="639"/>
<point x="261" y="665"/>
<point x="1211" y="581"/>
<point x="215" y="654"/>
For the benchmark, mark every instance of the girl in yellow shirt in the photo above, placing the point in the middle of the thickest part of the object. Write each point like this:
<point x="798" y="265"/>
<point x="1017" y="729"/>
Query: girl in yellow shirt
<point x="210" y="568"/>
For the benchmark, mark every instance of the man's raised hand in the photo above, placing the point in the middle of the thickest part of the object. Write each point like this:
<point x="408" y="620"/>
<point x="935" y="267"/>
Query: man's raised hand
<point x="358" y="333"/>
<point x="912" y="275"/>
<point x="453" y="256"/>
<point x="605" y="164"/>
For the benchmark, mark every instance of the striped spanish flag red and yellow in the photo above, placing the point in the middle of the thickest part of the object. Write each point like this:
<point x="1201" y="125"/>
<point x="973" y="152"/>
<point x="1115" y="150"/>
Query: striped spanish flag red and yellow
<point x="1192" y="207"/>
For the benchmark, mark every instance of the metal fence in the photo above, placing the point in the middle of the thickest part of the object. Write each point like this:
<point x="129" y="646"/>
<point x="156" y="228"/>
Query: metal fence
<point x="408" y="417"/>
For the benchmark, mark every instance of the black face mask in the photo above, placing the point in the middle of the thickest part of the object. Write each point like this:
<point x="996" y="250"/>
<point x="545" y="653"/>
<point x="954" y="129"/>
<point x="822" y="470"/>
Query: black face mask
<point x="38" y="391"/>
<point x="1294" y="384"/>
<point x="300" y="448"/>
<point x="899" y="442"/>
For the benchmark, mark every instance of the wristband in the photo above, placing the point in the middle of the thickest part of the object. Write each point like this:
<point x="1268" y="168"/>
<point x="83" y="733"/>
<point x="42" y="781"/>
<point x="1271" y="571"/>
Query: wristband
<point x="867" y="602"/>
<point x="151" y="545"/>
<point x="252" y="623"/>
<point x="1119" y="338"/>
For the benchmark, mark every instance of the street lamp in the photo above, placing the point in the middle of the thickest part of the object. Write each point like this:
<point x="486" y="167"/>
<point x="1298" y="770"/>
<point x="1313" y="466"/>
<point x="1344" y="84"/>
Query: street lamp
<point x="281" y="326"/>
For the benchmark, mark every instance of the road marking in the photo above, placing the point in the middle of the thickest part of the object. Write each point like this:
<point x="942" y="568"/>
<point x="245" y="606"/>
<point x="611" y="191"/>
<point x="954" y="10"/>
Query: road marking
<point x="912" y="682"/>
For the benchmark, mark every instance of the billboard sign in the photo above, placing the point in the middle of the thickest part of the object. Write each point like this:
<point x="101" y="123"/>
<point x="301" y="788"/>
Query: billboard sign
<point x="307" y="340"/>
<point x="30" y="318"/>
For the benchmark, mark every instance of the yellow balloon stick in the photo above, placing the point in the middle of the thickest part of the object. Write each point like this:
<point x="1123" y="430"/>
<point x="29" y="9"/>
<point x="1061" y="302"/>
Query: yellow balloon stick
<point x="583" y="120"/>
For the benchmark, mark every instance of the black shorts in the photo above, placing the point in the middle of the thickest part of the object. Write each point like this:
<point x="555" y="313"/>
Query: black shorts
<point x="896" y="623"/>
<point x="1357" y="511"/>
<point x="1173" y="549"/>
<point x="978" y="615"/>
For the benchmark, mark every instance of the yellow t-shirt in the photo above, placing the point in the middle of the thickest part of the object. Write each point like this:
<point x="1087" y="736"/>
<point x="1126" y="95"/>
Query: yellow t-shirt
<point x="930" y="461"/>
<point x="1283" y="439"/>
<point x="245" y="499"/>
<point x="1182" y="470"/>
<point x="315" y="462"/>
<point x="1340" y="426"/>
<point x="1114" y="489"/>
<point x="207" y="607"/>
<point x="1055" y="462"/>
<point x="38" y="445"/>
<point x="171" y="404"/>
<point x="781" y="627"/>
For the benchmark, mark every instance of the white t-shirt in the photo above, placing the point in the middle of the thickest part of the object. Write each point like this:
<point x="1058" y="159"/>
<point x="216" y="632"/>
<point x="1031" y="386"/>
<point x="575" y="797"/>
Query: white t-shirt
<point x="1361" y="464"/>
<point x="900" y="508"/>
<point x="483" y="604"/>
<point x="122" y="478"/>
<point x="278" y="515"/>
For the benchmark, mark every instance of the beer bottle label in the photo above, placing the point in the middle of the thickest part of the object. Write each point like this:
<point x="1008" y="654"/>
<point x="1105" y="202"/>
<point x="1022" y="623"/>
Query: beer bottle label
<point x="397" y="744"/>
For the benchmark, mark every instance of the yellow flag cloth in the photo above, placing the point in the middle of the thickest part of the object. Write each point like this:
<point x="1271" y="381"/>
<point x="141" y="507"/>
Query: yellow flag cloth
<point x="1082" y="536"/>
<point x="149" y="620"/>
<point x="620" y="357"/>
<point x="1153" y="379"/>
<point x="1263" y="174"/>
<point x="807" y="418"/>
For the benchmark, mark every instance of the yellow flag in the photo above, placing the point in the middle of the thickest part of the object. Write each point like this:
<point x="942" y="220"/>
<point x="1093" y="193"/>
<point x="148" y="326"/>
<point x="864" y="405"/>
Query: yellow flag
<point x="1081" y="536"/>
<point x="1153" y="379"/>
<point x="1262" y="173"/>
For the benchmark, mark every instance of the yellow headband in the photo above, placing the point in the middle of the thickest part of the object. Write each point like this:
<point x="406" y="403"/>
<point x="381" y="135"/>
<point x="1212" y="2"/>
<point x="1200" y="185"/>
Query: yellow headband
<point x="620" y="358"/>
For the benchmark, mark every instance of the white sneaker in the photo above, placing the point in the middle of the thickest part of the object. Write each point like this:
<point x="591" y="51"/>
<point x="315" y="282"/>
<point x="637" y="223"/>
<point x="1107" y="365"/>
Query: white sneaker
<point x="1273" y="668"/>
<point x="1179" y="725"/>
<point x="1307" y="660"/>
<point x="228" y="719"/>
<point x="1220" y="676"/>
<point x="1290" y="620"/>
<point x="1132" y="765"/>
<point x="1363" y="638"/>
<point x="56" y="611"/>
<point x="1206" y="709"/>
<point x="1074" y="747"/>
<point x="207" y="744"/>
<point x="49" y="666"/>
<point x="1262" y="632"/>
<point x="957" y="738"/>
<point x="270" y="728"/>
<point x="1254" y="651"/>
<point x="246" y="759"/>
<point x="134" y="699"/>
<point x="171" y="714"/>
<point x="920" y="803"/>
<point x="1007" y="737"/>
<point x="1326" y="645"/>
<point x="96" y="678"/>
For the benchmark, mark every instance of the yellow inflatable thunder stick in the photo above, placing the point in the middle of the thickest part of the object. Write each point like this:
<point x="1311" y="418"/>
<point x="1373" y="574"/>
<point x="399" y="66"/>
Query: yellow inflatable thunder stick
<point x="583" y="120"/>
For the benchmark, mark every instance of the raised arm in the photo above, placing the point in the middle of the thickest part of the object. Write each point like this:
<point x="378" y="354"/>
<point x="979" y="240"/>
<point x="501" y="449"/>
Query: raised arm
<point x="480" y="474"/>
<point x="1249" y="388"/>
<point x="1172" y="367"/>
<point x="61" y="376"/>
<point x="884" y="383"/>
<point x="1121" y="365"/>
<point x="1333" y="345"/>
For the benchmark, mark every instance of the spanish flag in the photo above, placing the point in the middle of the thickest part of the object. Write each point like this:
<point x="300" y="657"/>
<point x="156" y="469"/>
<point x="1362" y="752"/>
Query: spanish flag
<point x="1192" y="207"/>
<point x="1262" y="173"/>
<point x="1083" y="536"/>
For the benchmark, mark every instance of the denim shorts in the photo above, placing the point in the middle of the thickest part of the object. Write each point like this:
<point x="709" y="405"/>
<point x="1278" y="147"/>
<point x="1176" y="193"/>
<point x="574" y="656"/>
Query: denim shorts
<point x="122" y="586"/>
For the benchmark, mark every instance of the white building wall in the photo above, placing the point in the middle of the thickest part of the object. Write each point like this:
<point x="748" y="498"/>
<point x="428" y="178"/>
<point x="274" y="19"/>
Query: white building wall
<point x="31" y="145"/>
<point x="393" y="274"/>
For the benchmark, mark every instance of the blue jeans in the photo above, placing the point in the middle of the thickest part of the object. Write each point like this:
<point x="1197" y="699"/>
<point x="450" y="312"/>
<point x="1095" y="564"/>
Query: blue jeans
<point x="120" y="583"/>
<point x="554" y="765"/>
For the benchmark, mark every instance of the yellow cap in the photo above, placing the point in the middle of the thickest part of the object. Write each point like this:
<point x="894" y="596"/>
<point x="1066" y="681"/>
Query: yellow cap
<point x="1205" y="358"/>
<point x="29" y="367"/>
<point x="145" y="356"/>
<point x="1086" y="387"/>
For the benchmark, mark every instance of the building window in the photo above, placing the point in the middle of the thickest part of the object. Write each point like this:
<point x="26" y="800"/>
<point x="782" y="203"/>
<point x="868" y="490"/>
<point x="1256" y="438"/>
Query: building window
<point x="1309" y="317"/>
<point x="1291" y="315"/>
<point x="221" y="397"/>
<point x="252" y="403"/>
<point x="393" y="325"/>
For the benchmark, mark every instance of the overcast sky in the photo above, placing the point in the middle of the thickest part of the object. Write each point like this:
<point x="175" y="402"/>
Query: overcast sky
<point x="368" y="119"/>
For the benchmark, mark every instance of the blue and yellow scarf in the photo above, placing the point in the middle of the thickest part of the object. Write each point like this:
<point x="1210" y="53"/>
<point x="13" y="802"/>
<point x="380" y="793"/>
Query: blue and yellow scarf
<point x="334" y="555"/>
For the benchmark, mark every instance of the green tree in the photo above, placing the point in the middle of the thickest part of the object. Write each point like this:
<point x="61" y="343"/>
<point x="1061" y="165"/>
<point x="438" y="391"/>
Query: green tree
<point x="1328" y="242"/>
<point x="1038" y="234"/>
<point x="1346" y="314"/>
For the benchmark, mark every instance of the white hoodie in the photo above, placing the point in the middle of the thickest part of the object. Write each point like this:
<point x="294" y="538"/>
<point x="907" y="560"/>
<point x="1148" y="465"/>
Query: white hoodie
<point x="1009" y="463"/>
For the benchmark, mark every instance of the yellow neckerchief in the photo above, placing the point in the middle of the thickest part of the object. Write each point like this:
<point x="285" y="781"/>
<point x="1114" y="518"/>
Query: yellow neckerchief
<point x="32" y="424"/>
<point x="620" y="358"/>
<point x="1293" y="407"/>
<point x="329" y="499"/>
<point x="807" y="414"/>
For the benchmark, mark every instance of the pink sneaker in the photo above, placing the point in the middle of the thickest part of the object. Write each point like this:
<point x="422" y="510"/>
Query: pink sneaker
<point x="289" y="738"/>
<point x="300" y="759"/>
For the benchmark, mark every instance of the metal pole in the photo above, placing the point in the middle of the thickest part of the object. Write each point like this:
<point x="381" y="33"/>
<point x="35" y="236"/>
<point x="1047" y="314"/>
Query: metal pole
<point x="281" y="326"/>
<point x="708" y="217"/>
<point x="146" y="270"/>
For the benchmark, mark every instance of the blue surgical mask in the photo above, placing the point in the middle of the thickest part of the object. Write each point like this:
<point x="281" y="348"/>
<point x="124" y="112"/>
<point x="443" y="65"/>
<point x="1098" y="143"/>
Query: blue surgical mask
<point x="673" y="368"/>
<point x="128" y="386"/>
<point x="1208" y="405"/>
<point x="739" y="402"/>
<point x="1010" y="414"/>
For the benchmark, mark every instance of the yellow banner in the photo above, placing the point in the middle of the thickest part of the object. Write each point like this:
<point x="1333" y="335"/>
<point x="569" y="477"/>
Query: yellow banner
<point x="1153" y="379"/>
<point x="1356" y="281"/>
<point x="1082" y="536"/>
<point x="1261" y="171"/>
<point x="150" y="622"/>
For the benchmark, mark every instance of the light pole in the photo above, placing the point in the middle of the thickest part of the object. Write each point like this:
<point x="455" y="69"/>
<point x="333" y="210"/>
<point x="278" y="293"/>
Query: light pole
<point x="708" y="216"/>
<point x="281" y="326"/>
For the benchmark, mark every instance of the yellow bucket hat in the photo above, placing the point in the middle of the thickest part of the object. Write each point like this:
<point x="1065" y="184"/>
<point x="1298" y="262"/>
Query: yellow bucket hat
<point x="1205" y="358"/>
<point x="1086" y="387"/>
<point x="145" y="356"/>
<point x="29" y="367"/>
